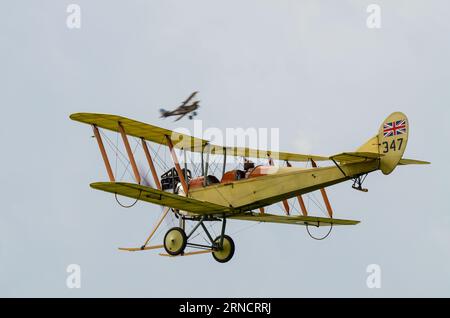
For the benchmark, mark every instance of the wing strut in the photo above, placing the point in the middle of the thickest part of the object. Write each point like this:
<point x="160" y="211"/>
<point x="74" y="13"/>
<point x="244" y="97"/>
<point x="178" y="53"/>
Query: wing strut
<point x="187" y="100"/>
<point x="130" y="154"/>
<point x="103" y="152"/>
<point x="166" y="210"/>
<point x="299" y="197"/>
<point x="285" y="202"/>
<point x="150" y="163"/>
<point x="145" y="247"/>
<point x="205" y="171"/>
<point x="324" y="195"/>
<point x="177" y="165"/>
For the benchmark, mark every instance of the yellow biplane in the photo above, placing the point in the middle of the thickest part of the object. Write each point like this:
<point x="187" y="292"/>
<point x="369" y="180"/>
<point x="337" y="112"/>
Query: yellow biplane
<point x="240" y="194"/>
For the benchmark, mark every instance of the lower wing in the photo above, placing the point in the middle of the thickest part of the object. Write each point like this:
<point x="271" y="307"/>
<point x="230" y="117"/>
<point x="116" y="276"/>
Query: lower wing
<point x="148" y="194"/>
<point x="181" y="116"/>
<point x="298" y="219"/>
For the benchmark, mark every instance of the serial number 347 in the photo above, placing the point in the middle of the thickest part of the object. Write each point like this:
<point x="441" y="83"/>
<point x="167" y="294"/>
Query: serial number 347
<point x="394" y="145"/>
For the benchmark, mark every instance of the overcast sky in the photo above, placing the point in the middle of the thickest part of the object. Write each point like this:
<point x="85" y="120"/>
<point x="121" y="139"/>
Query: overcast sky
<point x="313" y="69"/>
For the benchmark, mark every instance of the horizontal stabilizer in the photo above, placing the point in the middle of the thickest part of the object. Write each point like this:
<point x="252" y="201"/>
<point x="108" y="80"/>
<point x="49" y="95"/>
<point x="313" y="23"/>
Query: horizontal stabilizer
<point x="412" y="162"/>
<point x="298" y="219"/>
<point x="350" y="157"/>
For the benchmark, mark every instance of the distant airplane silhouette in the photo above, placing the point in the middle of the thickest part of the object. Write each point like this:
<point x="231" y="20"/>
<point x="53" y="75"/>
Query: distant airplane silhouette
<point x="183" y="109"/>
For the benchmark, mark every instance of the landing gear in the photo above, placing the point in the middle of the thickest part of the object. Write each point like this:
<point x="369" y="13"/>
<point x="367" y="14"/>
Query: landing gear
<point x="358" y="182"/>
<point x="224" y="249"/>
<point x="175" y="241"/>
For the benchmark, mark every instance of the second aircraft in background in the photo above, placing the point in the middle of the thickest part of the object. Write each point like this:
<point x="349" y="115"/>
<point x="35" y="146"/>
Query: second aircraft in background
<point x="184" y="109"/>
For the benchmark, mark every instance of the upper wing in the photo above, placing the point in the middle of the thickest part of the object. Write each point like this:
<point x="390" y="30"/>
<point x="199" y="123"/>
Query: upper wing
<point x="189" y="98"/>
<point x="155" y="196"/>
<point x="181" y="141"/>
<point x="297" y="219"/>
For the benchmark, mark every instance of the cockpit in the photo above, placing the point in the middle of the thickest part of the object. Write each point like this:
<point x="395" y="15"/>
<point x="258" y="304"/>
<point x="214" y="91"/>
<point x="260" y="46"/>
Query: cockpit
<point x="170" y="180"/>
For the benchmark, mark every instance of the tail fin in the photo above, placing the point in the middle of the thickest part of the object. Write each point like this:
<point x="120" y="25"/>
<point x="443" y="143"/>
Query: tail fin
<point x="390" y="142"/>
<point x="392" y="139"/>
<point x="163" y="112"/>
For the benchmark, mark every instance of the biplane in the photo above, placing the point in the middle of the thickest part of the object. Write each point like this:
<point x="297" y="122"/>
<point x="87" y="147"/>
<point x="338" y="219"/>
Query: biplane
<point x="201" y="196"/>
<point x="184" y="109"/>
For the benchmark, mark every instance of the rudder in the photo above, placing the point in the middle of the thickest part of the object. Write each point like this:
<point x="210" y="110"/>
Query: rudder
<point x="392" y="140"/>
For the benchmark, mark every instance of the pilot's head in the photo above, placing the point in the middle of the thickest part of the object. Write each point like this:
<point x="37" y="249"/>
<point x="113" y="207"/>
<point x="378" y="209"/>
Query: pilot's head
<point x="248" y="164"/>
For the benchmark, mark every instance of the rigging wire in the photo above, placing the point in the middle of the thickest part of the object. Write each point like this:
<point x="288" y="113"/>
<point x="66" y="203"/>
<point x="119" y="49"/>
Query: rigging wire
<point x="117" y="151"/>
<point x="146" y="171"/>
<point x="159" y="161"/>
<point x="245" y="228"/>
<point x="115" y="148"/>
<point x="210" y="229"/>
<point x="128" y="165"/>
<point x="317" y="203"/>
<point x="117" y="143"/>
<point x="195" y="167"/>
<point x="214" y="165"/>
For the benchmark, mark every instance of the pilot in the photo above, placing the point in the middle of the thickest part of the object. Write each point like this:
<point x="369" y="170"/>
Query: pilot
<point x="248" y="167"/>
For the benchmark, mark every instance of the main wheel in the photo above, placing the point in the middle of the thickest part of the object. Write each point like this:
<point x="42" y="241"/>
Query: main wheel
<point x="224" y="254"/>
<point x="175" y="241"/>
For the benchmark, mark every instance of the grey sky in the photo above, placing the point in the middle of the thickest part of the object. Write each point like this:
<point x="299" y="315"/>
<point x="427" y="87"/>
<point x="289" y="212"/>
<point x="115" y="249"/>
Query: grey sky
<point x="311" y="68"/>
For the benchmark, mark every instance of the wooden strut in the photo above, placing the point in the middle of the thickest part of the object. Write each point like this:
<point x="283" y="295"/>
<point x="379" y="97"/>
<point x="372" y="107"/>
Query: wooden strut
<point x="224" y="166"/>
<point x="205" y="170"/>
<point x="324" y="195"/>
<point x="302" y="205"/>
<point x="158" y="185"/>
<point x="299" y="198"/>
<point x="150" y="163"/>
<point x="103" y="152"/>
<point x="285" y="202"/>
<point x="177" y="165"/>
<point x="261" y="209"/>
<point x="130" y="154"/>
<point x="167" y="209"/>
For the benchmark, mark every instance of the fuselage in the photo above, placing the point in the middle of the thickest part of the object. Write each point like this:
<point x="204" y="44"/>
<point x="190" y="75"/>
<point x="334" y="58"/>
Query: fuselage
<point x="278" y="184"/>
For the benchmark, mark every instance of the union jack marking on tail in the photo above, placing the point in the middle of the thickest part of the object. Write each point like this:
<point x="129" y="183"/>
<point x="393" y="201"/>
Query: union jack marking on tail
<point x="394" y="128"/>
